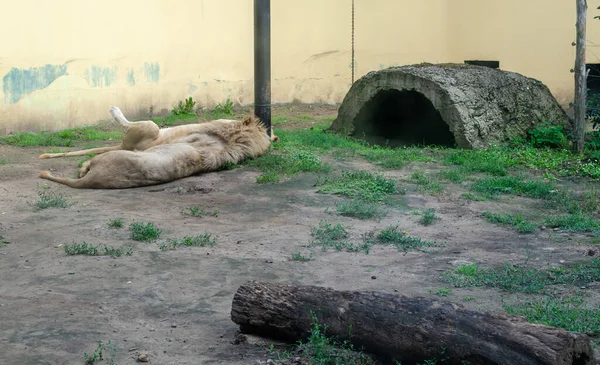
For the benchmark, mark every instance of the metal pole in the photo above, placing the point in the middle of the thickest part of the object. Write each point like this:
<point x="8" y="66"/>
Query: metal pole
<point x="262" y="62"/>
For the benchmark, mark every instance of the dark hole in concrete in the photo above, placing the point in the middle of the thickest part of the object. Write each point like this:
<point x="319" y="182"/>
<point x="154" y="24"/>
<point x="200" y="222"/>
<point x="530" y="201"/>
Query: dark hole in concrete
<point x="402" y="118"/>
<point x="490" y="64"/>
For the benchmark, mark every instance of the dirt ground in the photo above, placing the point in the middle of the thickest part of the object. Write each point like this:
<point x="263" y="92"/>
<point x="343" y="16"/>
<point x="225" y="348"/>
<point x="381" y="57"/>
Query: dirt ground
<point x="175" y="305"/>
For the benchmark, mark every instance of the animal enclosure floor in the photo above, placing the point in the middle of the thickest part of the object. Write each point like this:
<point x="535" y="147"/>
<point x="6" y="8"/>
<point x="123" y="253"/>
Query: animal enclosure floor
<point x="175" y="305"/>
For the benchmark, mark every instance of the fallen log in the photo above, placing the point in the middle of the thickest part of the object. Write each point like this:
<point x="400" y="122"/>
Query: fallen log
<point x="405" y="329"/>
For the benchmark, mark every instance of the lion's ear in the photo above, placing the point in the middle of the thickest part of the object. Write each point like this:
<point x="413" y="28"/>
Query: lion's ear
<point x="248" y="120"/>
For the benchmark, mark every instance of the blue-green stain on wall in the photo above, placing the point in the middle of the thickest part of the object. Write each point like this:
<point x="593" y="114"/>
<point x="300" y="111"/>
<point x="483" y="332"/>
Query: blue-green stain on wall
<point x="100" y="76"/>
<point x="131" y="78"/>
<point x="192" y="88"/>
<point x="18" y="83"/>
<point x="152" y="71"/>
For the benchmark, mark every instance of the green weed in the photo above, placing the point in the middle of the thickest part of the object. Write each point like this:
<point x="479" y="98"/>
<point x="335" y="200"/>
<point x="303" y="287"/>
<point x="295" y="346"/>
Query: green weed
<point x="98" y="354"/>
<point x="568" y="313"/>
<point x="222" y="110"/>
<point x="454" y="176"/>
<point x="516" y="221"/>
<point x="116" y="223"/>
<point x="402" y="240"/>
<point x="491" y="161"/>
<point x="197" y="212"/>
<point x="86" y="249"/>
<point x="145" y="232"/>
<point x="276" y="165"/>
<point x="328" y="236"/>
<point x="428" y="217"/>
<point x="517" y="279"/>
<point x="64" y="138"/>
<point x="185" y="107"/>
<point x="426" y="183"/>
<point x="297" y="256"/>
<point x="358" y="185"/>
<point x="360" y="209"/>
<point x="203" y="240"/>
<point x="513" y="185"/>
<point x="474" y="197"/>
<point x="2" y="241"/>
<point x="547" y="135"/>
<point x="574" y="222"/>
<point x="48" y="199"/>
<point x="442" y="292"/>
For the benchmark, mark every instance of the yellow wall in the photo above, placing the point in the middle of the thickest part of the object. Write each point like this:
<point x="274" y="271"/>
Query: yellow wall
<point x="65" y="62"/>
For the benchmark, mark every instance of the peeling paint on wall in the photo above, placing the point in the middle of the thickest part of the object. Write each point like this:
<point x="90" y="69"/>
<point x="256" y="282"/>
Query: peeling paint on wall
<point x="131" y="78"/>
<point x="17" y="83"/>
<point x="100" y="76"/>
<point x="152" y="71"/>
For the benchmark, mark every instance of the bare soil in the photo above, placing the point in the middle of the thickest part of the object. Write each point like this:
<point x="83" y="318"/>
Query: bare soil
<point x="175" y="305"/>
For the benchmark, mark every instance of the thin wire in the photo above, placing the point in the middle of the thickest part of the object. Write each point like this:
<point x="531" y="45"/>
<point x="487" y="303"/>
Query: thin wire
<point x="353" y="41"/>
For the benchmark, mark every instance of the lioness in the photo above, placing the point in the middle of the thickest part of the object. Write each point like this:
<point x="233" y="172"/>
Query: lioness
<point x="205" y="149"/>
<point x="139" y="136"/>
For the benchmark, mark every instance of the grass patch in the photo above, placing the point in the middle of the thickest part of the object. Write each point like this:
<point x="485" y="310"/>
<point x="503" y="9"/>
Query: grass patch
<point x="529" y="280"/>
<point x="175" y="119"/>
<point x="426" y="183"/>
<point x="64" y="138"/>
<point x="574" y="222"/>
<point x="276" y="165"/>
<point x="145" y="232"/>
<point x="568" y="313"/>
<point x="116" y="223"/>
<point x="203" y="240"/>
<point x="362" y="185"/>
<point x="360" y="209"/>
<point x="474" y="197"/>
<point x="402" y="240"/>
<point x="197" y="212"/>
<point x="492" y="161"/>
<point x="454" y="176"/>
<point x="337" y="237"/>
<point x="48" y="199"/>
<point x="2" y="241"/>
<point x="513" y="185"/>
<point x="86" y="249"/>
<point x="428" y="217"/>
<point x="516" y="221"/>
<point x="320" y="349"/>
<point x="297" y="256"/>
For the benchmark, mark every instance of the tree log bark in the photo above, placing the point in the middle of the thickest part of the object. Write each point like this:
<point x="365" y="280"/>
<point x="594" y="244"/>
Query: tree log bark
<point x="400" y="328"/>
<point x="580" y="79"/>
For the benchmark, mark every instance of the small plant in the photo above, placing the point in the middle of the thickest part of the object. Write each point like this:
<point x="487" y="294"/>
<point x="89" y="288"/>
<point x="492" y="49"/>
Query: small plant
<point x="328" y="236"/>
<point x="568" y="313"/>
<point x="426" y="183"/>
<point x="297" y="256"/>
<point x="2" y="242"/>
<point x="86" y="249"/>
<point x="360" y="209"/>
<point x="442" y="292"/>
<point x="48" y="199"/>
<point x="362" y="185"/>
<point x="116" y="223"/>
<point x="197" y="212"/>
<point x="185" y="107"/>
<point x="547" y="135"/>
<point x="467" y="298"/>
<point x="145" y="232"/>
<point x="428" y="217"/>
<point x="98" y="354"/>
<point x="519" y="279"/>
<point x="391" y="236"/>
<point x="223" y="110"/>
<point x="203" y="240"/>
<point x="516" y="221"/>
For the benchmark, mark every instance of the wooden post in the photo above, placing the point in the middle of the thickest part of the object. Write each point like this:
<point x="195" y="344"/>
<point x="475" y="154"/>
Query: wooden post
<point x="580" y="78"/>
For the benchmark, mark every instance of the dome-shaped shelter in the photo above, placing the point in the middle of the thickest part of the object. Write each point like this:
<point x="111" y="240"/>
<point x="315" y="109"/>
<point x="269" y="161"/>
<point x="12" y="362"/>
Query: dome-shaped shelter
<point x="446" y="104"/>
